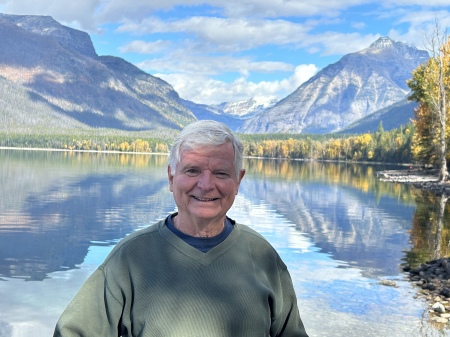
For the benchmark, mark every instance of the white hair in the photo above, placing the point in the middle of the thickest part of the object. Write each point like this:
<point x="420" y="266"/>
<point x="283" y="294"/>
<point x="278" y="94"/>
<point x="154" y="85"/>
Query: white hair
<point x="201" y="134"/>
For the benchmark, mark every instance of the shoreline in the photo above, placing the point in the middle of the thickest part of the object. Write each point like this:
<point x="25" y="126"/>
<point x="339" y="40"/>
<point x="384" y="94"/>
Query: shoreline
<point x="424" y="179"/>
<point x="431" y="278"/>
<point x="87" y="151"/>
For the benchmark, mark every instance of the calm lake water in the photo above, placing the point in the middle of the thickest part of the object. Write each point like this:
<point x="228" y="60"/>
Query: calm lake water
<point x="338" y="228"/>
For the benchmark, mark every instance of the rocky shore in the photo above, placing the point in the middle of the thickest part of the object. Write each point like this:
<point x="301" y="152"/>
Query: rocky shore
<point x="433" y="277"/>
<point x="425" y="179"/>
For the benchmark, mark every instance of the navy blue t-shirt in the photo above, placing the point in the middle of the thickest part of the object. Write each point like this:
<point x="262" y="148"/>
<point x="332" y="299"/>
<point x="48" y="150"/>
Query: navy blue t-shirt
<point x="202" y="244"/>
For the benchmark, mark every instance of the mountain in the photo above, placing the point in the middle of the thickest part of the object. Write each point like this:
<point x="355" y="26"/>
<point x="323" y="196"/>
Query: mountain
<point x="391" y="117"/>
<point x="248" y="107"/>
<point x="53" y="72"/>
<point x="234" y="114"/>
<point x="51" y="78"/>
<point x="203" y="111"/>
<point x="357" y="85"/>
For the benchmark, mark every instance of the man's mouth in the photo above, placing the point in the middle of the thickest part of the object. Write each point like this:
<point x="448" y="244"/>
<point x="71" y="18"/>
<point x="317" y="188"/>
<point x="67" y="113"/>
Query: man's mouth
<point x="204" y="199"/>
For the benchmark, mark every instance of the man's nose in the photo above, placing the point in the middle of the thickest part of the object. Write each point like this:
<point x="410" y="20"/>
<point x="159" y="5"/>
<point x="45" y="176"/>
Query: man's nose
<point x="206" y="180"/>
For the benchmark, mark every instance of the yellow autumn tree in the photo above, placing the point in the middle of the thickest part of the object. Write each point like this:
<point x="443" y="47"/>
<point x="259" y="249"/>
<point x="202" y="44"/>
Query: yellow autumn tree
<point x="430" y="88"/>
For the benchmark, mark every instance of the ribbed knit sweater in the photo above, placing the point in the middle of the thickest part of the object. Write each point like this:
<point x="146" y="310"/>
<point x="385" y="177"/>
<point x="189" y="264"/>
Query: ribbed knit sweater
<point x="153" y="284"/>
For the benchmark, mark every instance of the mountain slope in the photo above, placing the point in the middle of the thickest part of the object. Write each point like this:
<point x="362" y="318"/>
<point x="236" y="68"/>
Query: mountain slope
<point x="350" y="89"/>
<point x="390" y="117"/>
<point x="59" y="69"/>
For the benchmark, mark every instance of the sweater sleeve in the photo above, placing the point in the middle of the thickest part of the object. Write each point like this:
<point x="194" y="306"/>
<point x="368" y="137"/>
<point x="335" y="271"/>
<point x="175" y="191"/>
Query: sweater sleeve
<point x="289" y="323"/>
<point x="92" y="312"/>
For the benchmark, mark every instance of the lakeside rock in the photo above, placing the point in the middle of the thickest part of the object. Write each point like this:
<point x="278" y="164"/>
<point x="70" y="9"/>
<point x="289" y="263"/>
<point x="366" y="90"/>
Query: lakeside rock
<point x="433" y="279"/>
<point x="421" y="178"/>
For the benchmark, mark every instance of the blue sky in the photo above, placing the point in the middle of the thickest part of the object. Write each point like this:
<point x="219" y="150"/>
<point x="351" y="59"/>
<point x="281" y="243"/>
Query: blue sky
<point x="212" y="51"/>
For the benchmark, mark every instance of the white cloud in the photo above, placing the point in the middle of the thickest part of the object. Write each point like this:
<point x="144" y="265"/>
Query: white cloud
<point x="230" y="35"/>
<point x="419" y="25"/>
<point x="190" y="63"/>
<point x="143" y="47"/>
<point x="332" y="43"/>
<point x="358" y="25"/>
<point x="203" y="89"/>
<point x="121" y="9"/>
<point x="236" y="35"/>
<point x="425" y="3"/>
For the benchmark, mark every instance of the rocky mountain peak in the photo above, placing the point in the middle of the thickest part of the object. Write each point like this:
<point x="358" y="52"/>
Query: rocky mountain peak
<point x="356" y="86"/>
<point x="69" y="38"/>
<point x="382" y="42"/>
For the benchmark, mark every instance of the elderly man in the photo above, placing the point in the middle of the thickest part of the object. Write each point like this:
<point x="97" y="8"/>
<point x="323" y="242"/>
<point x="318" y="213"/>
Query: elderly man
<point x="197" y="273"/>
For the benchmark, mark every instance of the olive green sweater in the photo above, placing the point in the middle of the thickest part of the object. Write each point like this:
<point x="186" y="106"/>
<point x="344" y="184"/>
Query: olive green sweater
<point x="153" y="284"/>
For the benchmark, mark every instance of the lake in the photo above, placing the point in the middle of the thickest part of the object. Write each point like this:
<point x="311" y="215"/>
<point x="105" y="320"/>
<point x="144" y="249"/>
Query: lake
<point x="338" y="228"/>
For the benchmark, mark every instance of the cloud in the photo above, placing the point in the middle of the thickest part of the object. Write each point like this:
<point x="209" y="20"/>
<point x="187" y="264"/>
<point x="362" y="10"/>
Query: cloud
<point x="420" y="24"/>
<point x="332" y="43"/>
<point x="143" y="47"/>
<point x="237" y="35"/>
<point x="425" y="3"/>
<point x="121" y="9"/>
<point x="191" y="64"/>
<point x="226" y="35"/>
<point x="358" y="25"/>
<point x="203" y="89"/>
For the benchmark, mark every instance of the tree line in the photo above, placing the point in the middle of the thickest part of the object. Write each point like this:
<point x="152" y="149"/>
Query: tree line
<point x="92" y="142"/>
<point x="380" y="146"/>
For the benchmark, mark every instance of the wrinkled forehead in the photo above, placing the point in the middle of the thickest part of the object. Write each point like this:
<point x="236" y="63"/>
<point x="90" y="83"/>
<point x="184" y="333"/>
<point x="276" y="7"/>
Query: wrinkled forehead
<point x="189" y="145"/>
<point x="221" y="155"/>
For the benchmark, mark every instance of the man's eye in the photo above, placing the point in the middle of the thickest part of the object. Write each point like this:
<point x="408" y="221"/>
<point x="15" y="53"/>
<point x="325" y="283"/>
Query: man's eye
<point x="191" y="172"/>
<point x="222" y="175"/>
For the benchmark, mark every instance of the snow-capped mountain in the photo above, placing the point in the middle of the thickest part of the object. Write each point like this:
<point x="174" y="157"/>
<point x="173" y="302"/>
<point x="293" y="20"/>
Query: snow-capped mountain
<point x="249" y="107"/>
<point x="354" y="87"/>
<point x="234" y="114"/>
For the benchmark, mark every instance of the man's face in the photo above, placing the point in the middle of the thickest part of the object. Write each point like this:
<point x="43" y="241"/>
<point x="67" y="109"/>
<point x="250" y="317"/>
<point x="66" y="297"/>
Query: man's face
<point x="205" y="183"/>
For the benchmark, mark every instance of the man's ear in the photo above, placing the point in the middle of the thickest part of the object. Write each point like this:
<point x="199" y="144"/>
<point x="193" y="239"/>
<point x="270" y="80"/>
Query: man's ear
<point x="241" y="175"/>
<point x="170" y="176"/>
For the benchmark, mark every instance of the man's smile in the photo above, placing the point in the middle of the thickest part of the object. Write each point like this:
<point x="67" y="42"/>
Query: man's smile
<point x="204" y="199"/>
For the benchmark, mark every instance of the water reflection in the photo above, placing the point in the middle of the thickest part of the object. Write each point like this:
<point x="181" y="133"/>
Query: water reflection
<point x="339" y="229"/>
<point x="430" y="229"/>
<point x="62" y="203"/>
<point x="346" y="211"/>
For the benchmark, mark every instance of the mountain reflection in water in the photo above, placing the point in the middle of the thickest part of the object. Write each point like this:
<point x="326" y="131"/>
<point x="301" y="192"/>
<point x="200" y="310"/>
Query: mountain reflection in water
<point x="338" y="228"/>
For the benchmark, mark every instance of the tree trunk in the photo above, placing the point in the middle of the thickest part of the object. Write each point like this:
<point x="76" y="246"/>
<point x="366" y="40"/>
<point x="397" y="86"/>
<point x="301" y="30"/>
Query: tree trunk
<point x="443" y="172"/>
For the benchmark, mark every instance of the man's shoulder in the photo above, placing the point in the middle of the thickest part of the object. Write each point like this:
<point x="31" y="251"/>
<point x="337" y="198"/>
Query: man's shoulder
<point x="259" y="246"/>
<point x="153" y="228"/>
<point x="141" y="237"/>
<point x="253" y="235"/>
<point x="247" y="230"/>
